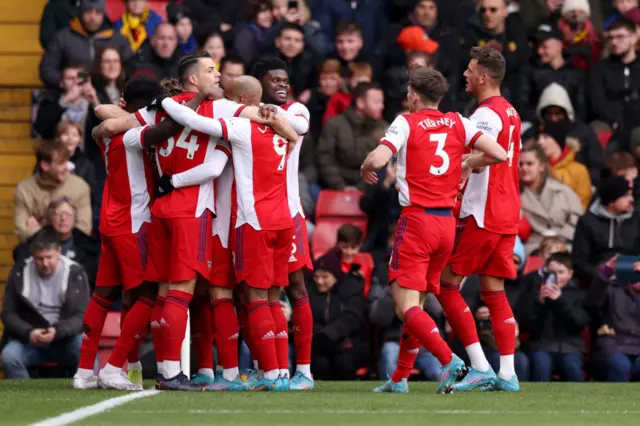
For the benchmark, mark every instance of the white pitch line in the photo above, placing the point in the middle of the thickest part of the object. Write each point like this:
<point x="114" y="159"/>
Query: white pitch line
<point x="100" y="407"/>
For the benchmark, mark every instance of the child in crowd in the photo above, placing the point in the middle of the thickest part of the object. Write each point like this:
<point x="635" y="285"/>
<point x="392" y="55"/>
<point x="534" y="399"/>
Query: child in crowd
<point x="178" y="16"/>
<point x="350" y="238"/>
<point x="214" y="44"/>
<point x="359" y="72"/>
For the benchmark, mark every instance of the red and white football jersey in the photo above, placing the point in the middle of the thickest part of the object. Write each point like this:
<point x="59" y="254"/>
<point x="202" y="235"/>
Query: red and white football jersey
<point x="430" y="145"/>
<point x="125" y="199"/>
<point x="184" y="151"/>
<point x="293" y="162"/>
<point x="493" y="196"/>
<point x="260" y="169"/>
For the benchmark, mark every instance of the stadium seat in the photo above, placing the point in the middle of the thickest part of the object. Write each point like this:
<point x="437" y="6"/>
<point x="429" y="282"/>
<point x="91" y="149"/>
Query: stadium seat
<point x="326" y="233"/>
<point x="604" y="137"/>
<point x="115" y="8"/>
<point x="339" y="203"/>
<point x="533" y="263"/>
<point x="110" y="333"/>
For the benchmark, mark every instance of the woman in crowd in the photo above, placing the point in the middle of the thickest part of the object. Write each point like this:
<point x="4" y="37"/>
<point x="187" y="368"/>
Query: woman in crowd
<point x="247" y="36"/>
<point x="550" y="207"/>
<point x="214" y="44"/>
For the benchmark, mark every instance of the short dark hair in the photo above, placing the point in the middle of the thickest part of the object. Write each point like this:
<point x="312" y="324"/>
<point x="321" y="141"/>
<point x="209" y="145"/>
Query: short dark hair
<point x="428" y="83"/>
<point x="562" y="257"/>
<point x="266" y="64"/>
<point x="188" y="63"/>
<point x="361" y="89"/>
<point x="291" y="26"/>
<point x="232" y="59"/>
<point x="623" y="23"/>
<point x="621" y="161"/>
<point x="491" y="60"/>
<point x="348" y="27"/>
<point x="140" y="89"/>
<point x="45" y="239"/>
<point x="350" y="234"/>
<point x="48" y="148"/>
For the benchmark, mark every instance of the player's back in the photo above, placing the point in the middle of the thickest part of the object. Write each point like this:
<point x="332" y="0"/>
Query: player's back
<point x="125" y="197"/>
<point x="430" y="162"/>
<point x="293" y="162"/>
<point x="260" y="168"/>
<point x="493" y="196"/>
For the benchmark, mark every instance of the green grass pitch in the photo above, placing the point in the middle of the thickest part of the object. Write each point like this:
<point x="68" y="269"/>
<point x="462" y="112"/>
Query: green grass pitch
<point x="332" y="403"/>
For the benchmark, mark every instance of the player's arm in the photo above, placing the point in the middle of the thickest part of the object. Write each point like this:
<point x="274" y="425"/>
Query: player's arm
<point x="113" y="126"/>
<point x="189" y="118"/>
<point x="277" y="122"/>
<point x="159" y="133"/>
<point x="204" y="172"/>
<point x="481" y="137"/>
<point x="106" y="111"/>
<point x="395" y="138"/>
<point x="298" y="120"/>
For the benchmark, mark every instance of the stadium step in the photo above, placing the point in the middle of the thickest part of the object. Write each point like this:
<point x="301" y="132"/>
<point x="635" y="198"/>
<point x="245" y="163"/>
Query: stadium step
<point x="20" y="38"/>
<point x="25" y="146"/>
<point x="22" y="11"/>
<point x="15" y="96"/>
<point x="27" y="161"/>
<point x="8" y="242"/>
<point x="20" y="70"/>
<point x="6" y="210"/>
<point x="11" y="177"/>
<point x="21" y="113"/>
<point x="14" y="130"/>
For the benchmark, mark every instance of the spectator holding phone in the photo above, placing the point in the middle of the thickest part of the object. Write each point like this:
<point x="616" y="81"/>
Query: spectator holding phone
<point x="614" y="303"/>
<point x="554" y="314"/>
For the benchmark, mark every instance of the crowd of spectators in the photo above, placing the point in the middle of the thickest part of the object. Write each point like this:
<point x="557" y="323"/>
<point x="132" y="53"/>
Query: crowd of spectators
<point x="573" y="74"/>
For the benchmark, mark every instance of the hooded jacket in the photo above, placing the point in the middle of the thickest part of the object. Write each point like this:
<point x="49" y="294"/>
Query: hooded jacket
<point x="74" y="45"/>
<point x="590" y="153"/>
<point x="555" y="209"/>
<point x="600" y="235"/>
<point x="573" y="174"/>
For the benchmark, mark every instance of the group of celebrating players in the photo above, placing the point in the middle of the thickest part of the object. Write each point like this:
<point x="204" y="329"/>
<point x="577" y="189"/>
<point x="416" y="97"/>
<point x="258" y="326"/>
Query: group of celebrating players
<point x="201" y="208"/>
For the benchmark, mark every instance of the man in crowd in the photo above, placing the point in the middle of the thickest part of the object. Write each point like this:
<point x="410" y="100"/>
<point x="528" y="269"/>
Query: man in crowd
<point x="159" y="59"/>
<point x="86" y="34"/>
<point x="42" y="309"/>
<point x="52" y="180"/>
<point x="231" y="67"/>
<point x="291" y="48"/>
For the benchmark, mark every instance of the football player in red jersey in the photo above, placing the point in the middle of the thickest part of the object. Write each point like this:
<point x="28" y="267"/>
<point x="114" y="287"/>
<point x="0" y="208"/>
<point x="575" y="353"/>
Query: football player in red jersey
<point x="429" y="145"/>
<point x="486" y="230"/>
<point x="263" y="225"/>
<point x="124" y="221"/>
<point x="273" y="75"/>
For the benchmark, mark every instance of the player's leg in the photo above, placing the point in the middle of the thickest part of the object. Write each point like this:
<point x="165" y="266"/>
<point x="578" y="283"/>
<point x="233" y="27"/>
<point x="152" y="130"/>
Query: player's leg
<point x="281" y="330"/>
<point x="156" y="327"/>
<point x="471" y="249"/>
<point x="108" y="289"/>
<point x="302" y="317"/>
<point x="201" y="319"/>
<point x="241" y="294"/>
<point x="225" y="320"/>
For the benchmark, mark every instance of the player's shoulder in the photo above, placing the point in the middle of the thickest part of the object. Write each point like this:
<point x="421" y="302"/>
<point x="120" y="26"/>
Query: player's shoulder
<point x="295" y="107"/>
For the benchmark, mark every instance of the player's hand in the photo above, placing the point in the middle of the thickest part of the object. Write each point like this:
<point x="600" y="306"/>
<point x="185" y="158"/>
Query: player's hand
<point x="156" y="102"/>
<point x="369" y="177"/>
<point x="122" y="103"/>
<point x="268" y="111"/>
<point x="214" y="93"/>
<point x="165" y="186"/>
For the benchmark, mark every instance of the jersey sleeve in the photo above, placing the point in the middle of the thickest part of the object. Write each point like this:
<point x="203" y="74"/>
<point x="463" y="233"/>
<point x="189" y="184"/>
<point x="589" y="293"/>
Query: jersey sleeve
<point x="397" y="134"/>
<point x="133" y="139"/>
<point x="226" y="108"/>
<point x="471" y="132"/>
<point x="189" y="118"/>
<point x="298" y="116"/>
<point x="224" y="146"/>
<point x="236" y="130"/>
<point x="146" y="117"/>
<point x="202" y="173"/>
<point x="487" y="121"/>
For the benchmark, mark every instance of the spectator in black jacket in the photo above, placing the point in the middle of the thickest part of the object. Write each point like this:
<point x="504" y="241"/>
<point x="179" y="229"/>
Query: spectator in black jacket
<point x="291" y="48"/>
<point x="615" y="86"/>
<point x="493" y="26"/>
<point x="554" y="314"/>
<point x="56" y="15"/>
<point x="42" y="309"/>
<point x="75" y="244"/>
<point x="610" y="226"/>
<point x="551" y="66"/>
<point x="615" y="305"/>
<point x="329" y="82"/>
<point x="70" y="135"/>
<point x="160" y="58"/>
<point x="247" y="36"/>
<point x="380" y="203"/>
<point x="337" y="304"/>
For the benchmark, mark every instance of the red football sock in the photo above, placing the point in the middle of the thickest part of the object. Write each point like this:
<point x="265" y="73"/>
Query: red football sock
<point x="420" y="325"/>
<point x="245" y="329"/>
<point x="156" y="328"/>
<point x="175" y="313"/>
<point x="134" y="353"/>
<point x="226" y="329"/>
<point x="302" y="330"/>
<point x="409" y="348"/>
<point x="136" y="323"/>
<point x="201" y="332"/>
<point x="282" y="335"/>
<point x="502" y="321"/>
<point x="93" y="322"/>
<point x="263" y="334"/>
<point x="458" y="313"/>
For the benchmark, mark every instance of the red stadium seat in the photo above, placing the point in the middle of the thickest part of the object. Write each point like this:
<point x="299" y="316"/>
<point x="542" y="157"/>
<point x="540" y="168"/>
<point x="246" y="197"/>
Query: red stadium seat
<point x="533" y="263"/>
<point x="605" y="137"/>
<point x="339" y="203"/>
<point x="115" y="8"/>
<point x="110" y="333"/>
<point x="326" y="233"/>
